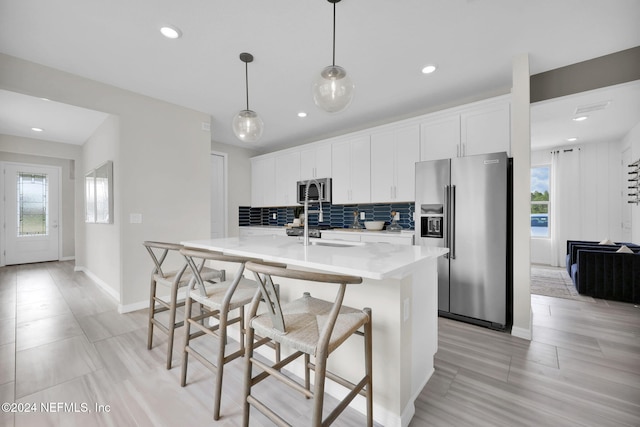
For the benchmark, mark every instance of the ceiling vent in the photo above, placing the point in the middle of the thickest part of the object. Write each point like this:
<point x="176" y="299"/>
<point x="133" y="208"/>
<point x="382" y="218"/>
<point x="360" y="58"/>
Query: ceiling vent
<point x="592" y="107"/>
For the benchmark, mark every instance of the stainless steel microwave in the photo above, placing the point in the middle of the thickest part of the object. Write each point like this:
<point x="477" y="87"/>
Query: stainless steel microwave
<point x="319" y="190"/>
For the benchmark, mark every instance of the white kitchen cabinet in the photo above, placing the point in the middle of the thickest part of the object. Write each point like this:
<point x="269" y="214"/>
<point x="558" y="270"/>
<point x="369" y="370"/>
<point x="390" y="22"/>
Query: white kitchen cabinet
<point x="315" y="162"/>
<point x="394" y="153"/>
<point x="287" y="174"/>
<point x="247" y="231"/>
<point x="482" y="127"/>
<point x="486" y="129"/>
<point x="351" y="167"/>
<point x="370" y="236"/>
<point x="440" y="138"/>
<point x="263" y="180"/>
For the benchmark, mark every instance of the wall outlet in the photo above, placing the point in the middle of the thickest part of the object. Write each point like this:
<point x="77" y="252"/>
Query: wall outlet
<point x="397" y="216"/>
<point x="273" y="216"/>
<point x="362" y="215"/>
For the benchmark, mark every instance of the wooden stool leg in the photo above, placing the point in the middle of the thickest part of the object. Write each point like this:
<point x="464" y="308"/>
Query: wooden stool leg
<point x="368" y="362"/>
<point x="248" y="354"/>
<point x="222" y="337"/>
<point x="172" y="323"/>
<point x="187" y="336"/>
<point x="152" y="309"/>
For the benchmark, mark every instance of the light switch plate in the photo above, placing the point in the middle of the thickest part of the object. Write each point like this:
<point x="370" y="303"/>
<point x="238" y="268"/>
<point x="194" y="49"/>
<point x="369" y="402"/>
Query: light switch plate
<point x="135" y="218"/>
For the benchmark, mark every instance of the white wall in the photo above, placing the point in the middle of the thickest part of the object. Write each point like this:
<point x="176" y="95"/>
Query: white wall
<point x="521" y="151"/>
<point x="66" y="156"/>
<point x="162" y="169"/>
<point x="239" y="181"/>
<point x="101" y="242"/>
<point x="632" y="139"/>
<point x="601" y="187"/>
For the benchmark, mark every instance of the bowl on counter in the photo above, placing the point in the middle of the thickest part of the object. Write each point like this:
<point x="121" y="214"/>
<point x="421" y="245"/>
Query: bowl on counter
<point x="374" y="225"/>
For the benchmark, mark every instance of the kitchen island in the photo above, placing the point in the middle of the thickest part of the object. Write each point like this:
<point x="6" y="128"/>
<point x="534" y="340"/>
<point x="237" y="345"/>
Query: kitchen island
<point x="400" y="287"/>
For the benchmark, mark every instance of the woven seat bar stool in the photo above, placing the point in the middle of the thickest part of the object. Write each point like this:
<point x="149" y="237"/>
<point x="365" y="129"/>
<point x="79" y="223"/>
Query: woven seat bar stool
<point x="173" y="280"/>
<point x="217" y="301"/>
<point x="309" y="327"/>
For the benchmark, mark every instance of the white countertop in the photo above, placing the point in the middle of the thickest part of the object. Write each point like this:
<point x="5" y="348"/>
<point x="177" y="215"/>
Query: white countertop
<point x="368" y="260"/>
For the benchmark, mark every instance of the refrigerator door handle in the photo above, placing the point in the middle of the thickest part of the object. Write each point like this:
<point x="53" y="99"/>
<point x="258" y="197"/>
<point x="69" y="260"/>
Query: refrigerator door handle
<point x="452" y="221"/>
<point x="445" y="218"/>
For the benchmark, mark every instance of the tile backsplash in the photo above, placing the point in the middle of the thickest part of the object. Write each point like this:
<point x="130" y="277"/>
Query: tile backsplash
<point x="336" y="216"/>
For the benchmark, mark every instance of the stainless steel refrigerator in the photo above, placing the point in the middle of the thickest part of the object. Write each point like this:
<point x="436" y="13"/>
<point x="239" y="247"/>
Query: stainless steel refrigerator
<point x="464" y="204"/>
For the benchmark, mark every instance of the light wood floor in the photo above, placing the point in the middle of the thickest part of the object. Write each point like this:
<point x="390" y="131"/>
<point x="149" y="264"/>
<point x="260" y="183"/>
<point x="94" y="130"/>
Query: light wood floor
<point x="62" y="340"/>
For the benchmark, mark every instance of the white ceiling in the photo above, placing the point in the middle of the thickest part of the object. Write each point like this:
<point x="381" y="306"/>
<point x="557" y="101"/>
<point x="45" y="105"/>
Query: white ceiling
<point x="383" y="44"/>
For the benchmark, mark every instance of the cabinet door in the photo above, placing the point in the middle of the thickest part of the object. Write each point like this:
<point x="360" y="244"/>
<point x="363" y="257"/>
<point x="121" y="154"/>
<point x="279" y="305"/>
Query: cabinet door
<point x="341" y="165"/>
<point x="361" y="170"/>
<point x="323" y="161"/>
<point x="487" y="129"/>
<point x="383" y="159"/>
<point x="440" y="138"/>
<point x="407" y="154"/>
<point x="287" y="175"/>
<point x="351" y="169"/>
<point x="393" y="157"/>
<point x="315" y="162"/>
<point x="263" y="182"/>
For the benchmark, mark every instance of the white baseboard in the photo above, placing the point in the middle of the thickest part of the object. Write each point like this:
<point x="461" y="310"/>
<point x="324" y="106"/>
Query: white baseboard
<point x="101" y="284"/>
<point x="67" y="258"/>
<point x="132" y="307"/>
<point x="524" y="333"/>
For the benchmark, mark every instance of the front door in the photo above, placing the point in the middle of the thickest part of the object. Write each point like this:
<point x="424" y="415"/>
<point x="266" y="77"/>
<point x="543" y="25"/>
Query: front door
<point x="31" y="211"/>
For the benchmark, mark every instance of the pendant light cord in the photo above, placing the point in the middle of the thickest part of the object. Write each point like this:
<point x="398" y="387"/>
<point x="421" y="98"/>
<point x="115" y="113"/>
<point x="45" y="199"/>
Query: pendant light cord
<point x="334" y="34"/>
<point x="246" y="81"/>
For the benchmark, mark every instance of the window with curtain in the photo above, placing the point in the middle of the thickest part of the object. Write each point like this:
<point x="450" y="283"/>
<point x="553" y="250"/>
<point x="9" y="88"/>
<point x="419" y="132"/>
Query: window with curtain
<point x="540" y="201"/>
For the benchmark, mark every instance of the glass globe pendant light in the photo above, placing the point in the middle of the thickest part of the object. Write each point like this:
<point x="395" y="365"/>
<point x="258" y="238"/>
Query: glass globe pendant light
<point x="247" y="125"/>
<point x="333" y="88"/>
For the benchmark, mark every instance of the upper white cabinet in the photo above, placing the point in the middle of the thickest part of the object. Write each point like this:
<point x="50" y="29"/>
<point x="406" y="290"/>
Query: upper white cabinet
<point x="287" y="175"/>
<point x="482" y="127"/>
<point x="440" y="138"/>
<point x="351" y="167"/>
<point x="263" y="180"/>
<point x="486" y="129"/>
<point x="315" y="162"/>
<point x="394" y="153"/>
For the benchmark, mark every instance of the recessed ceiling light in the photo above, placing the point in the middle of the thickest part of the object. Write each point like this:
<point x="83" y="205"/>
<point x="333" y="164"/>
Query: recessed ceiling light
<point x="579" y="119"/>
<point x="170" y="32"/>
<point x="428" y="69"/>
<point x="572" y="139"/>
<point x="37" y="129"/>
<point x="302" y="114"/>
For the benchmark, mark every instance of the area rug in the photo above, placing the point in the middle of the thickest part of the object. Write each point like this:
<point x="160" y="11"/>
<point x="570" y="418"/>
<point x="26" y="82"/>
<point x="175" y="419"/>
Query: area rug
<point x="554" y="282"/>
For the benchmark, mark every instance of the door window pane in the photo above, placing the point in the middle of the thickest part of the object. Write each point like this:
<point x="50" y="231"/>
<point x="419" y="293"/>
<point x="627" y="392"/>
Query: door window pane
<point x="32" y="204"/>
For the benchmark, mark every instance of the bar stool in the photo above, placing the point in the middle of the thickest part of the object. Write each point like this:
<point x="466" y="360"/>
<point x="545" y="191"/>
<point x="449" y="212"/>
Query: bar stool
<point x="173" y="280"/>
<point x="216" y="301"/>
<point x="310" y="327"/>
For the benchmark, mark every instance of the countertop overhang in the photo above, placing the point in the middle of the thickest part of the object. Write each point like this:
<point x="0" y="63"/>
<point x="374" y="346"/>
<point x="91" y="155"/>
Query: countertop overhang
<point x="376" y="261"/>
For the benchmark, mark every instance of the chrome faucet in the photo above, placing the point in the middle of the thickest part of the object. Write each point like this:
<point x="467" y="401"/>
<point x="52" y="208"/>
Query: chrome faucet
<point x="306" y="208"/>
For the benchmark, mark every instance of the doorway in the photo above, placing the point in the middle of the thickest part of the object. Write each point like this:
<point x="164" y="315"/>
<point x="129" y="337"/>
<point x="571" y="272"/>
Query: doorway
<point x="218" y="195"/>
<point x="31" y="212"/>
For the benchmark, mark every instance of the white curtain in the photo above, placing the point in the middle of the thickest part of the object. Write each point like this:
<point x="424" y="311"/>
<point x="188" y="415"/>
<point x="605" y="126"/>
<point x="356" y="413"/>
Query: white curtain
<point x="565" y="202"/>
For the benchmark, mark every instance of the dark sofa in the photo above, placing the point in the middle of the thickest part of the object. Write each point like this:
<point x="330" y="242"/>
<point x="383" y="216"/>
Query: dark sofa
<point x="609" y="275"/>
<point x="602" y="272"/>
<point x="574" y="245"/>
